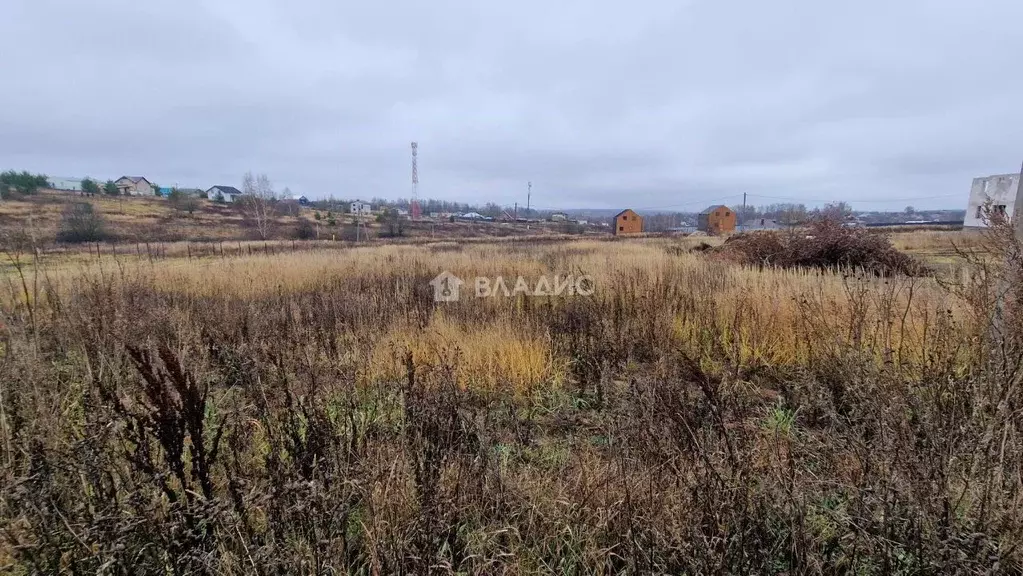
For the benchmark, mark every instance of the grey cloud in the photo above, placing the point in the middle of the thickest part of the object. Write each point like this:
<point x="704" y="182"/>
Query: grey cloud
<point x="599" y="103"/>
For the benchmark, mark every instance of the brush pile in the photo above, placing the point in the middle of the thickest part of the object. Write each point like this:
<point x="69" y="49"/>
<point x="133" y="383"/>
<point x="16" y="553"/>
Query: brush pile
<point x="826" y="244"/>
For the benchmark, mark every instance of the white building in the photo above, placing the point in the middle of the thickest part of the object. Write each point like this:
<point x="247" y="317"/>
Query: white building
<point x="223" y="193"/>
<point x="69" y="184"/>
<point x="761" y="224"/>
<point x="360" y="208"/>
<point x="999" y="190"/>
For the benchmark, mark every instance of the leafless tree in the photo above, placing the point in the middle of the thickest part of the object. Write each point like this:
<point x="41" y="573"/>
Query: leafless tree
<point x="258" y="203"/>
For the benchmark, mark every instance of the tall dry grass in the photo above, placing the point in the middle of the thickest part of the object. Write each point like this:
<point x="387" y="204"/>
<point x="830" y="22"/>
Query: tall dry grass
<point x="318" y="412"/>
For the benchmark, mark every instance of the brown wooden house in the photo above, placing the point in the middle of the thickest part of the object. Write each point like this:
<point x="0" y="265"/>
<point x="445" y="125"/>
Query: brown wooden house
<point x="628" y="222"/>
<point x="717" y="219"/>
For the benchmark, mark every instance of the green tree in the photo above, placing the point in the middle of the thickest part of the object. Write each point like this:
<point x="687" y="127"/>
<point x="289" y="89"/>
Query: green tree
<point x="111" y="189"/>
<point x="90" y="187"/>
<point x="21" y="182"/>
<point x="183" y="202"/>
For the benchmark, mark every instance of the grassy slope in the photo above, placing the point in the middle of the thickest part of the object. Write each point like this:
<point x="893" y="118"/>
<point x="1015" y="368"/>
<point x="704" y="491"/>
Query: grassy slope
<point x="132" y="220"/>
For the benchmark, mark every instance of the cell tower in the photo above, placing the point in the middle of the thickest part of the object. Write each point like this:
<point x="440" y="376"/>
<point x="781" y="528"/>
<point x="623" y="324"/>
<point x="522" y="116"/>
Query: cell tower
<point x="416" y="212"/>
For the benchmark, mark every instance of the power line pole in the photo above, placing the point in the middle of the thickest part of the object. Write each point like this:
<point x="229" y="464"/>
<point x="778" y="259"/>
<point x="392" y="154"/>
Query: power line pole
<point x="742" y="225"/>
<point x="529" y="196"/>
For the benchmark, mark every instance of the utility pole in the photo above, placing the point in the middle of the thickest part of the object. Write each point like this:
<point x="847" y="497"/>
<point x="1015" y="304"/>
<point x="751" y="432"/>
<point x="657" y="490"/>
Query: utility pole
<point x="742" y="225"/>
<point x="516" y="211"/>
<point x="529" y="197"/>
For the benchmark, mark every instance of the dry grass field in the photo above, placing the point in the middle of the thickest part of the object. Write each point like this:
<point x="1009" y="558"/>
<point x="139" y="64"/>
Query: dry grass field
<point x="315" y="411"/>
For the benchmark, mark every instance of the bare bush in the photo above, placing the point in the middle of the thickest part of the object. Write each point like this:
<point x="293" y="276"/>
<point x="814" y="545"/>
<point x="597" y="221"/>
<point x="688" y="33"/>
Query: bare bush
<point x="258" y="204"/>
<point x="305" y="230"/>
<point x="183" y="202"/>
<point x="81" y="223"/>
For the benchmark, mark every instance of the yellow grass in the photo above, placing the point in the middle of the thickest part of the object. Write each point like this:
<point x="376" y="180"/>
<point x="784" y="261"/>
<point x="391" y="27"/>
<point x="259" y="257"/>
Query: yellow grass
<point x="684" y="300"/>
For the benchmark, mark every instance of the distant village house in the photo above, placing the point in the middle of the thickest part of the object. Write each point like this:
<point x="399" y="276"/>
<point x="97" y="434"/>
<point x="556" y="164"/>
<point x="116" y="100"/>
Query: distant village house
<point x="135" y="186"/>
<point x="67" y="184"/>
<point x="227" y="194"/>
<point x="360" y="208"/>
<point x="628" y="222"/>
<point x="717" y="219"/>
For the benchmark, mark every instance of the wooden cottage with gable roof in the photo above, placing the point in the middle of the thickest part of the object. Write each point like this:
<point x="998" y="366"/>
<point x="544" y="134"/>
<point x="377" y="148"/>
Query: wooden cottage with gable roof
<point x="628" y="222"/>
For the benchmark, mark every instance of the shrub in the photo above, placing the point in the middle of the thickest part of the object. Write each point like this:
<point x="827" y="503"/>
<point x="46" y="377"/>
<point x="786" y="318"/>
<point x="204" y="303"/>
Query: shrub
<point x="305" y="230"/>
<point x="80" y="223"/>
<point x="183" y="202"/>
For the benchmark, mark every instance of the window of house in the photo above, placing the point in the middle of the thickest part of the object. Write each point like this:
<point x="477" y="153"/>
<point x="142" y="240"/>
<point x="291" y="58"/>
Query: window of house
<point x="621" y="228"/>
<point x="625" y="217"/>
<point x="1000" y="209"/>
<point x="980" y="211"/>
<point x="728" y="214"/>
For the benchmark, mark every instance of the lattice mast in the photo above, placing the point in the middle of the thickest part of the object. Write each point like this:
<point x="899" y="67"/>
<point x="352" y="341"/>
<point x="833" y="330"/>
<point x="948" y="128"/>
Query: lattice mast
<point x="415" y="210"/>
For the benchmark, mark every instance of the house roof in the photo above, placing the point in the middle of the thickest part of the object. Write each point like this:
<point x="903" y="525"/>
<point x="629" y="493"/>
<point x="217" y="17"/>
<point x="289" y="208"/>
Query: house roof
<point x="713" y="208"/>
<point x="227" y="189"/>
<point x="624" y="211"/>
<point x="135" y="179"/>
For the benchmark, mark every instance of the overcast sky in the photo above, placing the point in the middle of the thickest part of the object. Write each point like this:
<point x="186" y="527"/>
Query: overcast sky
<point x="648" y="104"/>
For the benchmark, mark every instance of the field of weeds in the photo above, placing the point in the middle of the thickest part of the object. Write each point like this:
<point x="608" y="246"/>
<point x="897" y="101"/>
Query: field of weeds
<point x="317" y="412"/>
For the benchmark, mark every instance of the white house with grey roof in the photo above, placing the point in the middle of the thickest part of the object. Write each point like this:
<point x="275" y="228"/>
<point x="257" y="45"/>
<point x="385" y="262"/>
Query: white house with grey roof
<point x="223" y="193"/>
